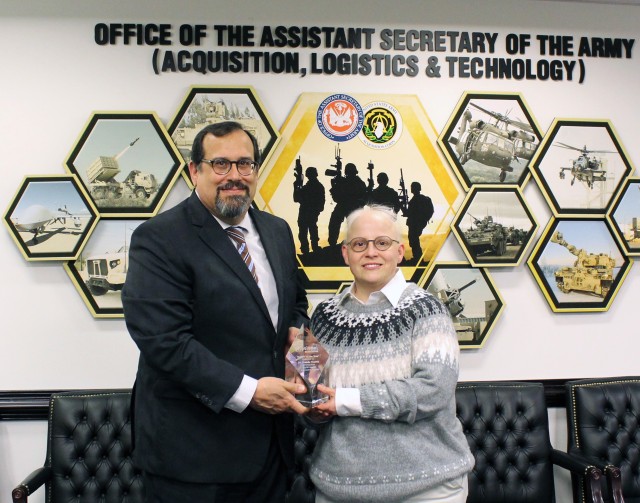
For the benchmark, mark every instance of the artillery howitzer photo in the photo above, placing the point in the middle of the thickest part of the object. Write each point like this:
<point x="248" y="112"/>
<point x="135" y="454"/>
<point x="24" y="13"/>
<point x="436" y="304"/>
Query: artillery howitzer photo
<point x="591" y="272"/>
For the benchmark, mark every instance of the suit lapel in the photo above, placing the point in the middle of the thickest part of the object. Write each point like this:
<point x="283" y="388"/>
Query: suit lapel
<point x="270" y="244"/>
<point x="216" y="238"/>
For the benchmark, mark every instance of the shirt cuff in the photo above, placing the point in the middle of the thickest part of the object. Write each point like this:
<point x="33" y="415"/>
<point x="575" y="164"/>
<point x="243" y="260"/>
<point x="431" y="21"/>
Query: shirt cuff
<point x="243" y="395"/>
<point x="348" y="402"/>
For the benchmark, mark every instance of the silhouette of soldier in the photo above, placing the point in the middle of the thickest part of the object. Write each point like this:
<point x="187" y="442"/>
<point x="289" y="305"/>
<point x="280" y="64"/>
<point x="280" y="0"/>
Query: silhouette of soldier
<point x="419" y="212"/>
<point x="349" y="193"/>
<point x="383" y="194"/>
<point x="310" y="196"/>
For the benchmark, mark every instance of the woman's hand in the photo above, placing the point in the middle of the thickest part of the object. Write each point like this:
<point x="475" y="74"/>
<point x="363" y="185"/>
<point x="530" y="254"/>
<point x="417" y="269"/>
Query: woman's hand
<point x="326" y="410"/>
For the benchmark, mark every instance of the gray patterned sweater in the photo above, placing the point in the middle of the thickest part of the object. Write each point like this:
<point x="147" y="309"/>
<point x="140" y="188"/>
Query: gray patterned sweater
<point x="404" y="360"/>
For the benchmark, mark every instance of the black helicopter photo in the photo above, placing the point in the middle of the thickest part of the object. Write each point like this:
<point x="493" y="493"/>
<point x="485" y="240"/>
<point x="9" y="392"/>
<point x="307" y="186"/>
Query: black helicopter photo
<point x="491" y="142"/>
<point x="584" y="168"/>
<point x="580" y="165"/>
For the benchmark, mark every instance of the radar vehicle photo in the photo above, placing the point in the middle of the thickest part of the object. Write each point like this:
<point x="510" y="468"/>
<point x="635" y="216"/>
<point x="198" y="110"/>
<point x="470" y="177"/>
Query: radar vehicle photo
<point x="103" y="184"/>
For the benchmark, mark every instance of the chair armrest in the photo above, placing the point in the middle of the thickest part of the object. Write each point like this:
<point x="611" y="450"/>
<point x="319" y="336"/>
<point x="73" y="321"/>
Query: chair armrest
<point x="33" y="481"/>
<point x="612" y="474"/>
<point x="583" y="467"/>
<point x="614" y="480"/>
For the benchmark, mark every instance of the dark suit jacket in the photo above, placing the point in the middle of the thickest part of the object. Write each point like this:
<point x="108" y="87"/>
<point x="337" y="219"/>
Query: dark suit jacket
<point x="200" y="322"/>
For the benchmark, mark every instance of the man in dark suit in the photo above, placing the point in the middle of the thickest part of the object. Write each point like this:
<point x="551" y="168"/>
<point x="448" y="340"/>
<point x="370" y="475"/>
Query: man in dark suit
<point x="210" y="406"/>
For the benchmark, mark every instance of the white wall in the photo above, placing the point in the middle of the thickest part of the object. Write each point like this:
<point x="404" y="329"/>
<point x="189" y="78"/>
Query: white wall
<point x="54" y="76"/>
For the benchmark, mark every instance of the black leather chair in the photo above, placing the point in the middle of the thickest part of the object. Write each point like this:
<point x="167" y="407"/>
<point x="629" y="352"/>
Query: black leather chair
<point x="88" y="451"/>
<point x="603" y="420"/>
<point x="507" y="428"/>
<point x="301" y="488"/>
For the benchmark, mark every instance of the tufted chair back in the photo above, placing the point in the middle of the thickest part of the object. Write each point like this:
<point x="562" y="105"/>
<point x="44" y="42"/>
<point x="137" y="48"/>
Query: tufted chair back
<point x="88" y="451"/>
<point x="603" y="420"/>
<point x="507" y="428"/>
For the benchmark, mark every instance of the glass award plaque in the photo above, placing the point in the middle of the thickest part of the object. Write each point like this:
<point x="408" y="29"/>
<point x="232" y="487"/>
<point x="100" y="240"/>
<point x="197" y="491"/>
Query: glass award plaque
<point x="306" y="361"/>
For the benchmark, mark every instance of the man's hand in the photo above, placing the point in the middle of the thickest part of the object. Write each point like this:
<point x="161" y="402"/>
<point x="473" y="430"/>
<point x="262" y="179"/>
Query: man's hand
<point x="274" y="396"/>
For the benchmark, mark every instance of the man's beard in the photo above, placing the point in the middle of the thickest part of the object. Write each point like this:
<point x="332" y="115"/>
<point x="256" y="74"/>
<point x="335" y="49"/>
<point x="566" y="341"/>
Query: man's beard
<point x="233" y="206"/>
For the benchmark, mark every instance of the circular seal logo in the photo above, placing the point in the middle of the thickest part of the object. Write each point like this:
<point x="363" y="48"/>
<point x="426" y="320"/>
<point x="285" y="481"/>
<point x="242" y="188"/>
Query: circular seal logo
<point x="339" y="117"/>
<point x="382" y="126"/>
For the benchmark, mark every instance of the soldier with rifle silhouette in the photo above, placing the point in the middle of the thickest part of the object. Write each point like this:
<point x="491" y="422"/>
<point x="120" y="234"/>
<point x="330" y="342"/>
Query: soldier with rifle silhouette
<point x="311" y="198"/>
<point x="419" y="211"/>
<point x="349" y="193"/>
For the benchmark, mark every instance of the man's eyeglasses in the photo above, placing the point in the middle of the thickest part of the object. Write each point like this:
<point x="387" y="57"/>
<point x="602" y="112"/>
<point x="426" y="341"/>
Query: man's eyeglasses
<point x="382" y="243"/>
<point x="222" y="166"/>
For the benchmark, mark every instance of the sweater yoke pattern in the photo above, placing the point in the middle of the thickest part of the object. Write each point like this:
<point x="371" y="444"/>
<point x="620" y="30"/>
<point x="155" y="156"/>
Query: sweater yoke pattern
<point x="371" y="344"/>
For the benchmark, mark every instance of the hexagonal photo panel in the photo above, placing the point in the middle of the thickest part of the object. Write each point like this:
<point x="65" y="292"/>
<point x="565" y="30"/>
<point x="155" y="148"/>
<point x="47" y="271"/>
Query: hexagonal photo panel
<point x="494" y="225"/>
<point x="126" y="161"/>
<point x="339" y="152"/>
<point x="490" y="138"/>
<point x="471" y="297"/>
<point x="625" y="216"/>
<point x="100" y="271"/>
<point x="51" y="217"/>
<point x="205" y="105"/>
<point x="578" y="264"/>
<point x="580" y="166"/>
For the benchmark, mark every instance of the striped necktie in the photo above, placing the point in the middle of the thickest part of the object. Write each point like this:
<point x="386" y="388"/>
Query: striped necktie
<point x="236" y="233"/>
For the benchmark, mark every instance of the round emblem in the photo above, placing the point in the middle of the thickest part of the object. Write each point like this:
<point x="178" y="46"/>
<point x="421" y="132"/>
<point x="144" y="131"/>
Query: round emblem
<point x="339" y="117"/>
<point x="382" y="126"/>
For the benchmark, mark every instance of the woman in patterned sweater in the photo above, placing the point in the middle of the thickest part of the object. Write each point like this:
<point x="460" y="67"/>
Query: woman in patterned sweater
<point x="389" y="429"/>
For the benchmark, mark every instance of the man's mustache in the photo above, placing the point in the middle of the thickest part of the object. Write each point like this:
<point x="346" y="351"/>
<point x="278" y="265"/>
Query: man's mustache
<point x="233" y="185"/>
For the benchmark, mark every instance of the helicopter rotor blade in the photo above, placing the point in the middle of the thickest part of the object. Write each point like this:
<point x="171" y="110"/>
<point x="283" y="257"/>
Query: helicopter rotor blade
<point x="495" y="115"/>
<point x="584" y="150"/>
<point x="505" y="118"/>
<point x="564" y="145"/>
<point x="602" y="151"/>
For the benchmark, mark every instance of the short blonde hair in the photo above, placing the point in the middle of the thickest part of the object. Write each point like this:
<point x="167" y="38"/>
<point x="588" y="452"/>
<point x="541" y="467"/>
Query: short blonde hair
<point x="381" y="209"/>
